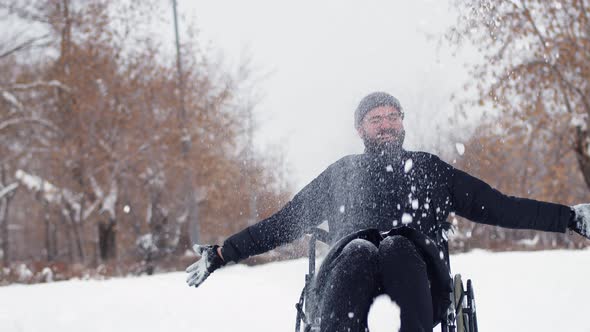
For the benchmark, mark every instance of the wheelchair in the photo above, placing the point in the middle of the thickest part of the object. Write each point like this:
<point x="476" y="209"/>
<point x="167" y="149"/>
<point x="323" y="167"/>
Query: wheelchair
<point x="460" y="316"/>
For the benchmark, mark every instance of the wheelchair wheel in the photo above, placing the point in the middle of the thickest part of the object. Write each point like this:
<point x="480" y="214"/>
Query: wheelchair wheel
<point x="471" y="305"/>
<point x="460" y="316"/>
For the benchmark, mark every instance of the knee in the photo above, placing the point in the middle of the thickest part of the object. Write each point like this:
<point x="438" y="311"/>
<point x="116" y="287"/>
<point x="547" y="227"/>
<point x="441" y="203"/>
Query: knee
<point x="353" y="269"/>
<point x="396" y="244"/>
<point x="396" y="251"/>
<point x="361" y="249"/>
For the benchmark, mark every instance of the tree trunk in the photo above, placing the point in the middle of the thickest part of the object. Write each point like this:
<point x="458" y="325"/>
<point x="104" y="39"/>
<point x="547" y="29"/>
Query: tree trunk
<point x="69" y="238"/>
<point x="4" y="229"/>
<point x="4" y="209"/>
<point x="79" y="241"/>
<point x="184" y="243"/>
<point x="55" y="248"/>
<point x="75" y="243"/>
<point x="158" y="222"/>
<point x="582" y="149"/>
<point x="48" y="234"/>
<point x="107" y="237"/>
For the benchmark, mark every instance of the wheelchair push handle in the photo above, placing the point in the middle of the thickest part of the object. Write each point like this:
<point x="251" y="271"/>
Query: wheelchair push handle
<point x="319" y="234"/>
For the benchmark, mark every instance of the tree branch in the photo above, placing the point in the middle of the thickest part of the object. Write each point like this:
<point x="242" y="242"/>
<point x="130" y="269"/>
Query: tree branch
<point x="8" y="189"/>
<point x="554" y="67"/>
<point x="17" y="121"/>
<point x="22" y="46"/>
<point x="37" y="84"/>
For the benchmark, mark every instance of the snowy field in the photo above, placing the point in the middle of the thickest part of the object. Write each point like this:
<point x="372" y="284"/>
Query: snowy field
<point x="537" y="291"/>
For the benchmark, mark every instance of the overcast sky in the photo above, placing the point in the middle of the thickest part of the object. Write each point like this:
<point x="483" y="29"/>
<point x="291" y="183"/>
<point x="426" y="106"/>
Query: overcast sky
<point x="324" y="56"/>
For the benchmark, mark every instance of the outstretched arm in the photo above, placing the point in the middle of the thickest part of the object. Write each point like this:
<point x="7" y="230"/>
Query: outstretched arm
<point x="477" y="201"/>
<point x="306" y="209"/>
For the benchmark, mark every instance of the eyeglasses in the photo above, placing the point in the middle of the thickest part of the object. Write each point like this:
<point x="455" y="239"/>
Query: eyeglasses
<point x="392" y="117"/>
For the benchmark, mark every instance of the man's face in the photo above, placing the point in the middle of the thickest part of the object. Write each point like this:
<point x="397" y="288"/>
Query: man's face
<point x="382" y="126"/>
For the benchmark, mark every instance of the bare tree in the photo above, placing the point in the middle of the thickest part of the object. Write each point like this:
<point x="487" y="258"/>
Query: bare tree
<point x="535" y="70"/>
<point x="97" y="123"/>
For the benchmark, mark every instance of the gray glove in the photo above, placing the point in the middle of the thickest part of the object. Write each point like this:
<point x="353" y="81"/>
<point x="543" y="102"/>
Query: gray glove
<point x="209" y="262"/>
<point x="581" y="220"/>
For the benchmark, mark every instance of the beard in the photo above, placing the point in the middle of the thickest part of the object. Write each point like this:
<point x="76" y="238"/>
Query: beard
<point x="394" y="145"/>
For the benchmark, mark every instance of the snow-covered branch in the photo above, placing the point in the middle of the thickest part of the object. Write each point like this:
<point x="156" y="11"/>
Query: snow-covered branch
<point x="579" y="121"/>
<point x="8" y="96"/>
<point x="109" y="202"/>
<point x="105" y="146"/>
<point x="29" y="43"/>
<point x="13" y="122"/>
<point x="11" y="99"/>
<point x="53" y="194"/>
<point x="36" y="184"/>
<point x="96" y="188"/>
<point x="72" y="200"/>
<point x="38" y="84"/>
<point x="8" y="189"/>
<point x="91" y="208"/>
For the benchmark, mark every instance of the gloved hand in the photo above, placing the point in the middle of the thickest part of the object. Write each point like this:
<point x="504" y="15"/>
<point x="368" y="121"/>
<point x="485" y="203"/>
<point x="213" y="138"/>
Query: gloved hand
<point x="581" y="220"/>
<point x="209" y="262"/>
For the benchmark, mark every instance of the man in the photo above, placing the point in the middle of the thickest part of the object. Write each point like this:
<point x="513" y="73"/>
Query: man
<point x="386" y="189"/>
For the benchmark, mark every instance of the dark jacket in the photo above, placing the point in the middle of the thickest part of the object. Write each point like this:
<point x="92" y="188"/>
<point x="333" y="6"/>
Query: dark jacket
<point x="383" y="191"/>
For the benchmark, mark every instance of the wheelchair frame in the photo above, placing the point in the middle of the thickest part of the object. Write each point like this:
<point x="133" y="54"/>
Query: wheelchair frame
<point x="461" y="315"/>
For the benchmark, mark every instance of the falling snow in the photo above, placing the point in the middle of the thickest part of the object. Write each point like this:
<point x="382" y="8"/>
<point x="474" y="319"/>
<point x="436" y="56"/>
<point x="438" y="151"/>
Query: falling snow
<point x="408" y="165"/>
<point x="460" y="148"/>
<point x="406" y="218"/>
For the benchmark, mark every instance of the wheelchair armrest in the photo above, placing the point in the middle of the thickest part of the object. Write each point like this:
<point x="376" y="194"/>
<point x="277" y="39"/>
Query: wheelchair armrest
<point x="320" y="234"/>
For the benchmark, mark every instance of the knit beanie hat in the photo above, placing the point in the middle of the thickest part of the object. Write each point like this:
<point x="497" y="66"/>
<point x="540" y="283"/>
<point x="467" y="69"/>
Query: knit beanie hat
<point x="374" y="100"/>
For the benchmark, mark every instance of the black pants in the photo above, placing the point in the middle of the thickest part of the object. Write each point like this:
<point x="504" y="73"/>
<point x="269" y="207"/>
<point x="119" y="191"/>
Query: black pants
<point x="363" y="271"/>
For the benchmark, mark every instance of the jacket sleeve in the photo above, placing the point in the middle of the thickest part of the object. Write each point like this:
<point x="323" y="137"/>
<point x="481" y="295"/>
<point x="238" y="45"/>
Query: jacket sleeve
<point x="305" y="210"/>
<point x="477" y="201"/>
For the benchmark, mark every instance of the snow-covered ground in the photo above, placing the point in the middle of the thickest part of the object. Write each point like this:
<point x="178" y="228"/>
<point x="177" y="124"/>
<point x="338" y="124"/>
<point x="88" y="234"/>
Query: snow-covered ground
<point x="519" y="291"/>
